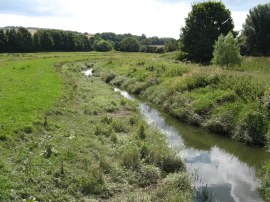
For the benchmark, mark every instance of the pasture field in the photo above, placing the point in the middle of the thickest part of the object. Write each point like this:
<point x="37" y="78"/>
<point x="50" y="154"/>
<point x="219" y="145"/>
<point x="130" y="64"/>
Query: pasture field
<point x="68" y="137"/>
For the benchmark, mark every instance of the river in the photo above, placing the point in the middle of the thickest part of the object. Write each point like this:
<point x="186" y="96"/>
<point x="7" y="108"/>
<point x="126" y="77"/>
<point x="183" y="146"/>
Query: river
<point x="224" y="168"/>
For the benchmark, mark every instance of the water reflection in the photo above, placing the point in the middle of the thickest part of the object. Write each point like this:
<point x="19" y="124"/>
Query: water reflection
<point x="88" y="72"/>
<point x="225" y="166"/>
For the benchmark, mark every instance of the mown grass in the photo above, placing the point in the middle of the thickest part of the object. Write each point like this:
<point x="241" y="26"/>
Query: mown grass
<point x="87" y="143"/>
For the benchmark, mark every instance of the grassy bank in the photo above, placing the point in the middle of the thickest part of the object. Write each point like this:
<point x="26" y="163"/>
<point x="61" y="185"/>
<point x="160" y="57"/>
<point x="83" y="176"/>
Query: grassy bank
<point x="232" y="102"/>
<point x="84" y="140"/>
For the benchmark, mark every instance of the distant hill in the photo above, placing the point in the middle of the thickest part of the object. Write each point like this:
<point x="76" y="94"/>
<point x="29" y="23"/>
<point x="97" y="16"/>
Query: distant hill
<point x="32" y="30"/>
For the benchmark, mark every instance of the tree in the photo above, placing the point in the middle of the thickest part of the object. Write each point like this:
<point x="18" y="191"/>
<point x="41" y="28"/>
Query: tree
<point x="171" y="45"/>
<point x="11" y="40"/>
<point x="130" y="44"/>
<point x="3" y="41"/>
<point x="226" y="51"/>
<point x="24" y="40"/>
<point x="102" y="45"/>
<point x="257" y="30"/>
<point x="204" y="24"/>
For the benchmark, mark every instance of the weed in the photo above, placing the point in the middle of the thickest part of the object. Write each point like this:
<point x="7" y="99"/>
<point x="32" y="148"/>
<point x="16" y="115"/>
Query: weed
<point x="141" y="132"/>
<point x="131" y="156"/>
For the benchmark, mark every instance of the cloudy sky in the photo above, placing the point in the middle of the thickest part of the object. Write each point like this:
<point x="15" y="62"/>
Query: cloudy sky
<point x="162" y="18"/>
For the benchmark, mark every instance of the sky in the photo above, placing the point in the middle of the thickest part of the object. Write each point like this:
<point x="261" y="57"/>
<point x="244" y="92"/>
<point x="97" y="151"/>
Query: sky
<point x="162" y="18"/>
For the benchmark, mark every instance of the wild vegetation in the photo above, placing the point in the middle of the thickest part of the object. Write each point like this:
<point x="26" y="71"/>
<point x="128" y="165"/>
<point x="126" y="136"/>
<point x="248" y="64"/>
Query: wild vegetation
<point x="69" y="137"/>
<point x="73" y="138"/>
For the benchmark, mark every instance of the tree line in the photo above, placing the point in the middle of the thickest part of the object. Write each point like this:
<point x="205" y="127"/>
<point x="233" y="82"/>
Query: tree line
<point x="48" y="40"/>
<point x="21" y="40"/>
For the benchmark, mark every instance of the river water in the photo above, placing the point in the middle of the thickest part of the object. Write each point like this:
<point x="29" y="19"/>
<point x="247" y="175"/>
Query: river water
<point x="223" y="167"/>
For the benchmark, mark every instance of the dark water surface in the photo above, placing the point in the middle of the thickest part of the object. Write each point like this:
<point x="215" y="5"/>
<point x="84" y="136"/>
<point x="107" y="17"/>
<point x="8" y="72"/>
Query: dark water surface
<point x="226" y="167"/>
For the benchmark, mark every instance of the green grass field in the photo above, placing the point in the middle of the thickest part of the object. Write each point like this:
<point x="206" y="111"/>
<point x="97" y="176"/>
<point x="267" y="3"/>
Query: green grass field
<point x="67" y="137"/>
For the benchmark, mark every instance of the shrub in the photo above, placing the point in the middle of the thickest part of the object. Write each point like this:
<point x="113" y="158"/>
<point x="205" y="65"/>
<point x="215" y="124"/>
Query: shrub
<point x="103" y="130"/>
<point x="226" y="51"/>
<point x="94" y="183"/>
<point x="164" y="158"/>
<point x="149" y="175"/>
<point x="175" y="187"/>
<point x="107" y="76"/>
<point x="141" y="132"/>
<point x="253" y="129"/>
<point x="119" y="126"/>
<point x="131" y="156"/>
<point x="114" y="138"/>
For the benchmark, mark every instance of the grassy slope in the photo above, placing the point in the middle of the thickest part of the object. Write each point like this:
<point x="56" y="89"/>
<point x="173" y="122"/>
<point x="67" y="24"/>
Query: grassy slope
<point x="91" y="144"/>
<point x="231" y="102"/>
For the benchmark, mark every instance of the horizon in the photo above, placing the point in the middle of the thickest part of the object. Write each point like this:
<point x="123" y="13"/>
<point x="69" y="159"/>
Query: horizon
<point x="161" y="18"/>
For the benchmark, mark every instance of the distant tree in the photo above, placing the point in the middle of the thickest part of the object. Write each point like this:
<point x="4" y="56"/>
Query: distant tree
<point x="257" y="30"/>
<point x="86" y="43"/>
<point x="129" y="44"/>
<point x="204" y="24"/>
<point x="3" y="41"/>
<point x="24" y="40"/>
<point x="171" y="45"/>
<point x="226" y="51"/>
<point x="102" y="45"/>
<point x="46" y="40"/>
<point x="36" y="42"/>
<point x="242" y="41"/>
<point x="11" y="40"/>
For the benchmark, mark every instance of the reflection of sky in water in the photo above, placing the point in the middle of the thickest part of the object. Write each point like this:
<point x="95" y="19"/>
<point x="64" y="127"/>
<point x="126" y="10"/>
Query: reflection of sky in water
<point x="88" y="72"/>
<point x="226" y="177"/>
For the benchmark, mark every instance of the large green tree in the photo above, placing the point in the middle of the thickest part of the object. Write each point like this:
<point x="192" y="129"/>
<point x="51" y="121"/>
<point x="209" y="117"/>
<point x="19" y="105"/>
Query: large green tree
<point x="205" y="22"/>
<point x="257" y="30"/>
<point x="130" y="44"/>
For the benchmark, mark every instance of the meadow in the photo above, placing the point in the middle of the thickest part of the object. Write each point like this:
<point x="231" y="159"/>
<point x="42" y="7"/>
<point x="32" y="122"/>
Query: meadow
<point x="73" y="138"/>
<point x="68" y="137"/>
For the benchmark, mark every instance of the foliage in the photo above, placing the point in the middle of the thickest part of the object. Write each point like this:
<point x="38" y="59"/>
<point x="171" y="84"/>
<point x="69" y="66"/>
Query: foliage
<point x="226" y="51"/>
<point x="257" y="30"/>
<point x="129" y="44"/>
<point x="171" y="45"/>
<point x="102" y="45"/>
<point x="21" y="40"/>
<point x="204" y="24"/>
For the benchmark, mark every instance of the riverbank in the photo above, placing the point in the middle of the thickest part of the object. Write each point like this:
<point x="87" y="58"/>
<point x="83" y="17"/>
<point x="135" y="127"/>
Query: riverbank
<point x="231" y="102"/>
<point x="90" y="144"/>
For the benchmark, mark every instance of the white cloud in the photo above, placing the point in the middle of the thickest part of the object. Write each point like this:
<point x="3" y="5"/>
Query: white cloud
<point x="151" y="17"/>
<point x="239" y="18"/>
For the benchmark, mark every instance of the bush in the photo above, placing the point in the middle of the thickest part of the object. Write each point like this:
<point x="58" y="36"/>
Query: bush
<point x="103" y="130"/>
<point x="253" y="129"/>
<point x="131" y="156"/>
<point x="94" y="183"/>
<point x="149" y="175"/>
<point x="175" y="187"/>
<point x="141" y="132"/>
<point x="226" y="51"/>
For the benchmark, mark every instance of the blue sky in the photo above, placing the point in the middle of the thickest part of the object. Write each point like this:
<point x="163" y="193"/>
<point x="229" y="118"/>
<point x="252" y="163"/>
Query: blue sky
<point x="162" y="18"/>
